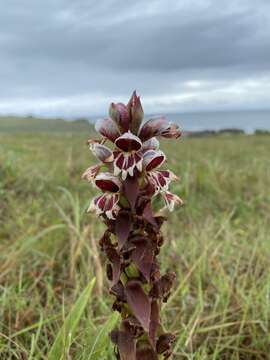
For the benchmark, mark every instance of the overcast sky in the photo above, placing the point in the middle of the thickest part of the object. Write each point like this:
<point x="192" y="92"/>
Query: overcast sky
<point x="73" y="57"/>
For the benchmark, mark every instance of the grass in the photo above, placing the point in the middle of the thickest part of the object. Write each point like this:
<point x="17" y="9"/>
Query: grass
<point x="218" y="244"/>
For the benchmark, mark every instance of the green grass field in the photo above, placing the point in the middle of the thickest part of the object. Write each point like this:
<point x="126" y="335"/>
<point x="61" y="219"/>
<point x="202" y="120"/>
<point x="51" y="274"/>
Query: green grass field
<point x="218" y="244"/>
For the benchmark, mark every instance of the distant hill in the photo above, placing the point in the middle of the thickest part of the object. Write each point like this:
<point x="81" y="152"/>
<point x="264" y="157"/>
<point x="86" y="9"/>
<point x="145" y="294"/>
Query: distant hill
<point x="32" y="124"/>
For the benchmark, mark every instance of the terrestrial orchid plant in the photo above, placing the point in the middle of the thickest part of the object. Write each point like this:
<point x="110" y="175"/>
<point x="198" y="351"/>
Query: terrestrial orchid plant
<point x="130" y="177"/>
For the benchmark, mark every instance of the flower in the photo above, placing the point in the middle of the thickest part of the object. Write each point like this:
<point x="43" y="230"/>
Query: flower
<point x="171" y="199"/>
<point x="107" y="203"/>
<point x="133" y="238"/>
<point x="108" y="129"/>
<point x="161" y="179"/>
<point x="127" y="156"/>
<point x="91" y="172"/>
<point x="159" y="127"/>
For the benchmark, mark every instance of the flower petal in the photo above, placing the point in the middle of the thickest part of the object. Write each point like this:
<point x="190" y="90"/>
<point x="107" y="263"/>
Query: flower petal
<point x="107" y="128"/>
<point x="107" y="182"/>
<point x="153" y="159"/>
<point x="128" y="142"/>
<point x="102" y="152"/>
<point x="125" y="163"/>
<point x="120" y="114"/>
<point x="151" y="144"/>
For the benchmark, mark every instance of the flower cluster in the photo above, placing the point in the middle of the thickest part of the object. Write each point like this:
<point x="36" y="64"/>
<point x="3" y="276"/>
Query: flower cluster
<point x="129" y="175"/>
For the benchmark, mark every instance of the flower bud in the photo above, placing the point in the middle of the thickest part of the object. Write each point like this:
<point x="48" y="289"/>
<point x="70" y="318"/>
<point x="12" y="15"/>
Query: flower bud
<point x="136" y="112"/>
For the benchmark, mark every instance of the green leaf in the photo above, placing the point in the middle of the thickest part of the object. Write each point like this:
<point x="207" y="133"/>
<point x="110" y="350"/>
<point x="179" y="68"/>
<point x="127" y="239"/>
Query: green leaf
<point x="66" y="334"/>
<point x="102" y="341"/>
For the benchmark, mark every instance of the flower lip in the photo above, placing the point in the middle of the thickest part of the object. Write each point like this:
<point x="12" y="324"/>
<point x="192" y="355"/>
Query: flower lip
<point x="108" y="183"/>
<point x="128" y="142"/>
<point x="153" y="159"/>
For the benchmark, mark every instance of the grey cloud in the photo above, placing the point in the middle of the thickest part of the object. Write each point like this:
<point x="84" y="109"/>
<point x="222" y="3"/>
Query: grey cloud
<point x="74" y="50"/>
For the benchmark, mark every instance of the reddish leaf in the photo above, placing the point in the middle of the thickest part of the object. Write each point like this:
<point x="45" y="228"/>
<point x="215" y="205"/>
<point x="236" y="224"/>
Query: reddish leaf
<point x="148" y="214"/>
<point x="154" y="322"/>
<point x="131" y="190"/>
<point x="145" y="352"/>
<point x="122" y="227"/>
<point x="142" y="256"/>
<point x="139" y="303"/>
<point x="125" y="343"/>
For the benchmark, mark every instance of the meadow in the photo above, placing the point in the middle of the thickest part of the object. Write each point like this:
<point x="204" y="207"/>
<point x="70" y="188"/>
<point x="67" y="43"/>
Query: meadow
<point x="218" y="244"/>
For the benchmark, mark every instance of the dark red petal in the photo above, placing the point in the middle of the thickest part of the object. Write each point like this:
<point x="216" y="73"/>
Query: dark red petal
<point x="122" y="227"/>
<point x="139" y="303"/>
<point x="120" y="160"/>
<point x="125" y="343"/>
<point x="107" y="128"/>
<point x="131" y="190"/>
<point x="101" y="202"/>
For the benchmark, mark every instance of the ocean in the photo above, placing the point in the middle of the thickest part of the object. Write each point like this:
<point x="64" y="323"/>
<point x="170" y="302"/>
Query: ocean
<point x="249" y="121"/>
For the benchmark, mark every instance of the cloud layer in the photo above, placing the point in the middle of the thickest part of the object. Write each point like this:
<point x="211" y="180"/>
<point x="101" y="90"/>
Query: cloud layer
<point x="71" y="58"/>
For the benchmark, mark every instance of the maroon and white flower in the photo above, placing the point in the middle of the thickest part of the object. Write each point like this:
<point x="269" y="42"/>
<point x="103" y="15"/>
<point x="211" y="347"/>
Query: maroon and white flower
<point x="107" y="203"/>
<point x="108" y="182"/>
<point x="91" y="172"/>
<point x="171" y="200"/>
<point x="161" y="179"/>
<point x="159" y="127"/>
<point x="153" y="159"/>
<point x="128" y="157"/>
